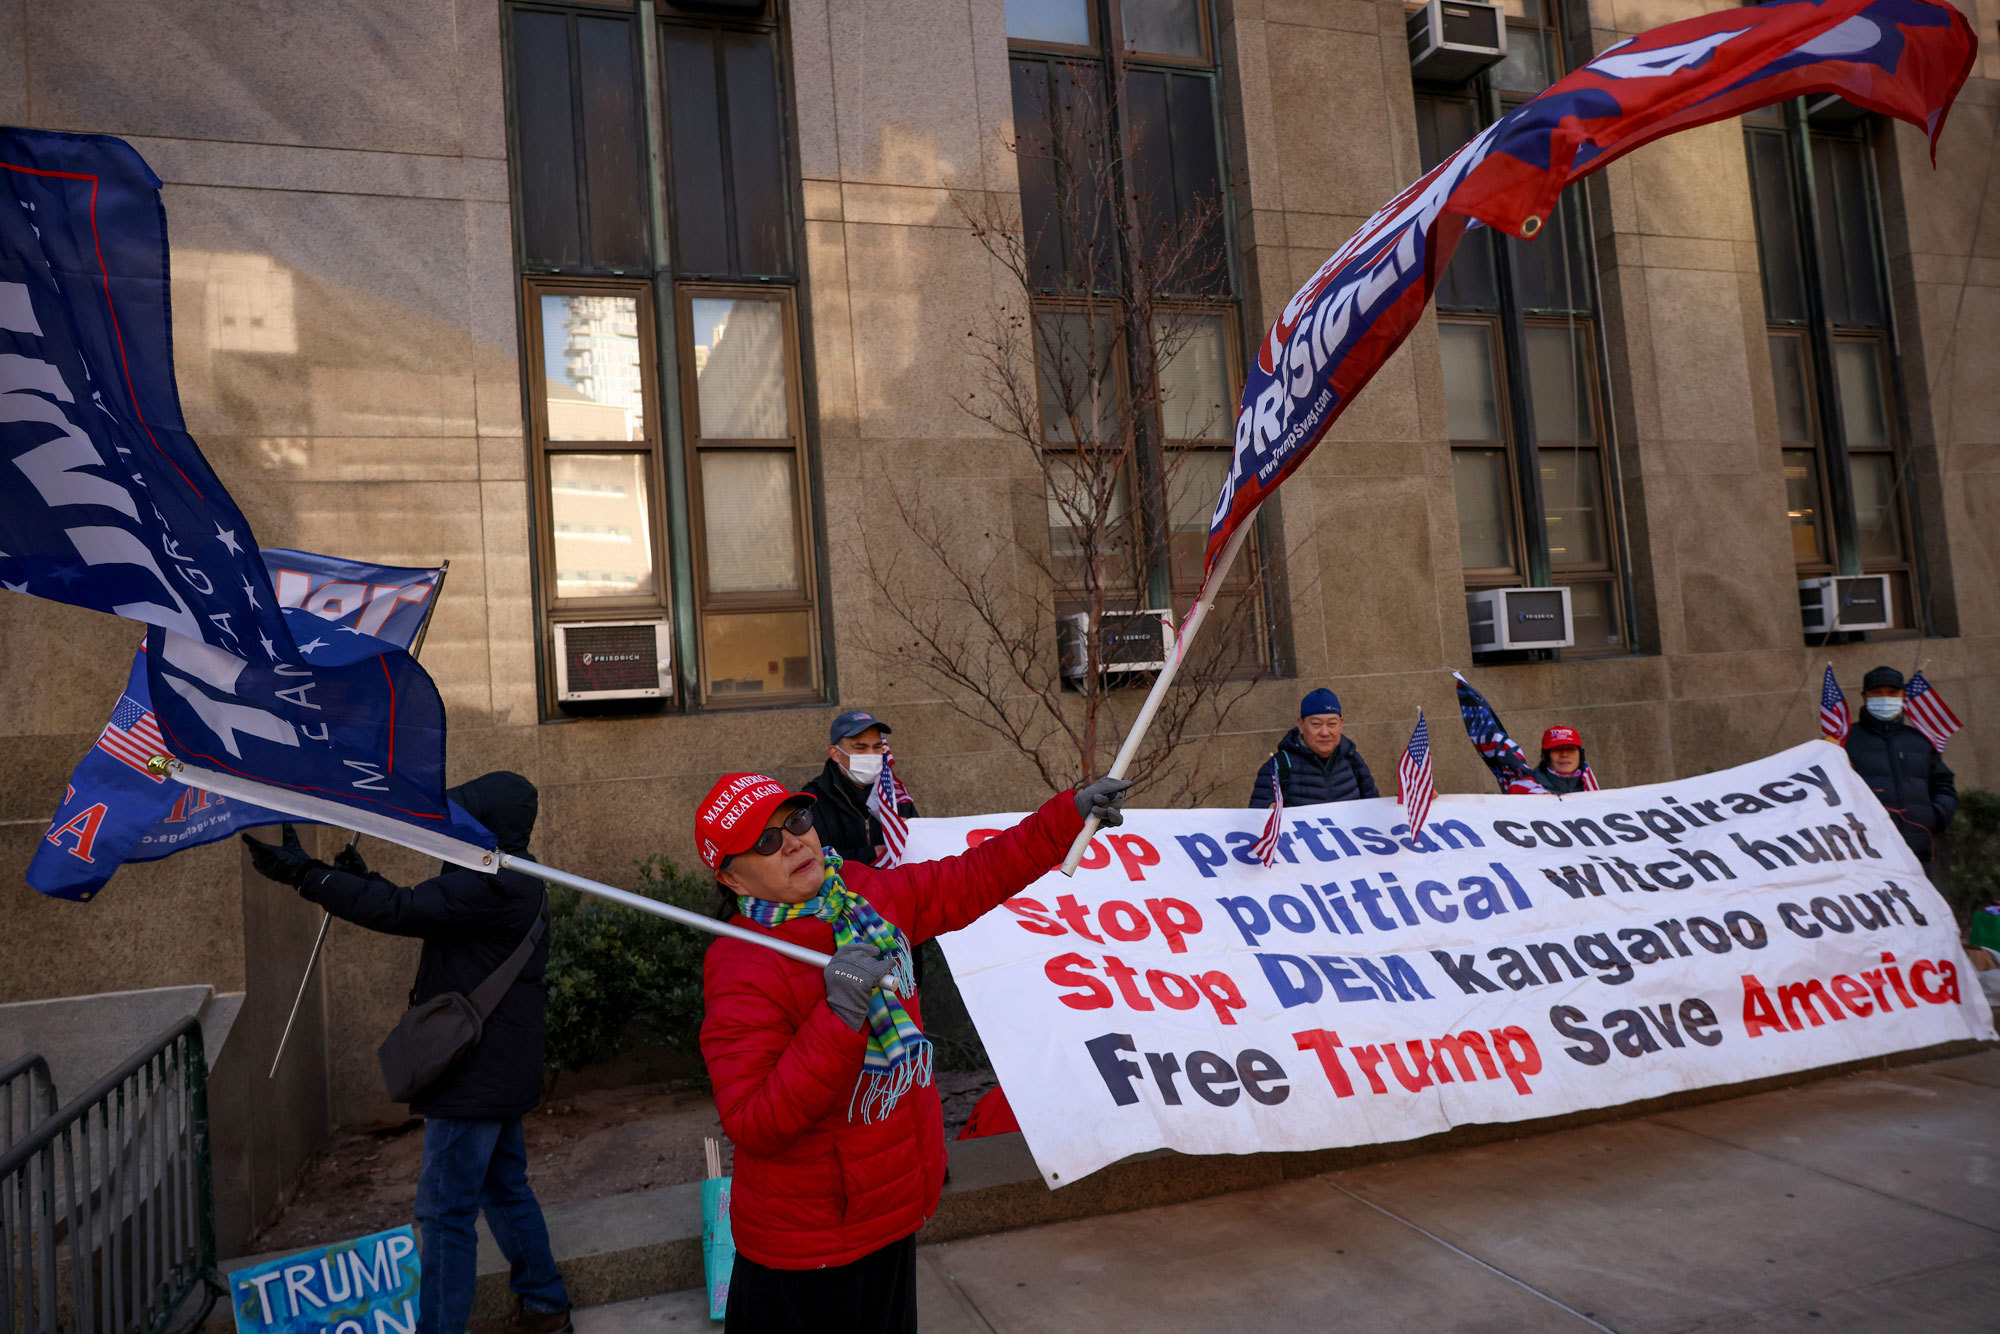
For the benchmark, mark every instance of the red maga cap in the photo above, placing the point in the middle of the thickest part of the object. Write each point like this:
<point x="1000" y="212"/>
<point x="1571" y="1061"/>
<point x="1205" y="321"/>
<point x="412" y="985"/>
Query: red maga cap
<point x="1562" y="736"/>
<point x="735" y="811"/>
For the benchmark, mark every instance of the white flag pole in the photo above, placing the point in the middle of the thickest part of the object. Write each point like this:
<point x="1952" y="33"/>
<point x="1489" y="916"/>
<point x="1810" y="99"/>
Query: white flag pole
<point x="1162" y="683"/>
<point x="456" y="851"/>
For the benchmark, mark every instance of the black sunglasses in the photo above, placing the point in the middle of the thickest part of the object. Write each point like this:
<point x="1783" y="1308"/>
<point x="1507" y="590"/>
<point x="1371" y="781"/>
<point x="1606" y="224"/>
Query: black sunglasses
<point x="773" y="838"/>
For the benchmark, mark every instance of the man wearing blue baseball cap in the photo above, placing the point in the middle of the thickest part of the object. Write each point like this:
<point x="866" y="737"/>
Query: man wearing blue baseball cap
<point x="1314" y="762"/>
<point x="857" y="748"/>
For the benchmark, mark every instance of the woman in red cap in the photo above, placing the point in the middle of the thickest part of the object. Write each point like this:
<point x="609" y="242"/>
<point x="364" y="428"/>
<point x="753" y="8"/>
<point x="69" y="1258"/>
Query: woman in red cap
<point x="823" y="1077"/>
<point x="1564" y="769"/>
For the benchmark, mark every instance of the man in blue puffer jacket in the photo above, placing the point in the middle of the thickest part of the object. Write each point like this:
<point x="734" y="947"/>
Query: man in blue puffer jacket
<point x="1314" y="761"/>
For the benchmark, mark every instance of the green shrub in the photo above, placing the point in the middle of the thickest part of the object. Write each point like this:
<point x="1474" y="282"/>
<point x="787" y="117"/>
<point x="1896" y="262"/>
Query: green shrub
<point x="619" y="977"/>
<point x="1971" y="849"/>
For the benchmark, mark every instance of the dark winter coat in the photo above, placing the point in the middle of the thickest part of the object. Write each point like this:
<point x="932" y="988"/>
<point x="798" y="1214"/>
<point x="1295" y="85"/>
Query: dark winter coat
<point x="1309" y="780"/>
<point x="813" y="1186"/>
<point x="1901" y="768"/>
<point x="842" y="816"/>
<point x="469" y="924"/>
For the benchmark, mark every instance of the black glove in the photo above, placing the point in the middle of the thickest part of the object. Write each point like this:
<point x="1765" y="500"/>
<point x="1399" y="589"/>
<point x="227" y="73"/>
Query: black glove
<point x="349" y="861"/>
<point x="851" y="977"/>
<point x="1103" y="799"/>
<point x="287" y="863"/>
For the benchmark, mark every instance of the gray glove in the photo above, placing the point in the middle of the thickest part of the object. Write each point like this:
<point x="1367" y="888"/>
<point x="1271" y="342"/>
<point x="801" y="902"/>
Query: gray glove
<point x="851" y="977"/>
<point x="1103" y="799"/>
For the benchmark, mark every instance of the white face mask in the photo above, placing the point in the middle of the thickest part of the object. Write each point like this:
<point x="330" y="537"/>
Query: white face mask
<point x="864" y="769"/>
<point x="1885" y="707"/>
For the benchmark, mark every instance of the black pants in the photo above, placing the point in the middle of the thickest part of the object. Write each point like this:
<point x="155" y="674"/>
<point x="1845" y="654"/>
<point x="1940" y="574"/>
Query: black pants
<point x="876" y="1294"/>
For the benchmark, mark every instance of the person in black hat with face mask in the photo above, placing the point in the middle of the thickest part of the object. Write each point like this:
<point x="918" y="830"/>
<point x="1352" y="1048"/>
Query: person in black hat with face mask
<point x="1900" y="766"/>
<point x="857" y="748"/>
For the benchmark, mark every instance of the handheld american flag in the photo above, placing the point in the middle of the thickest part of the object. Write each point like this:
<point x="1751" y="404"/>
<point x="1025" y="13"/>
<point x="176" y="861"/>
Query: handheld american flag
<point x="1266" y="846"/>
<point x="1928" y="712"/>
<point x="1834" y="722"/>
<point x="1414" y="787"/>
<point x="886" y="800"/>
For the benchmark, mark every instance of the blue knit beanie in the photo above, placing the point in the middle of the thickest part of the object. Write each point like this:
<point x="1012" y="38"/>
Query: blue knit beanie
<point x="1319" y="701"/>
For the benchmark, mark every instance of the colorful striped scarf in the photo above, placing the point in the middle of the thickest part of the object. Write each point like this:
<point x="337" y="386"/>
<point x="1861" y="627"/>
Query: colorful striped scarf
<point x="898" y="1054"/>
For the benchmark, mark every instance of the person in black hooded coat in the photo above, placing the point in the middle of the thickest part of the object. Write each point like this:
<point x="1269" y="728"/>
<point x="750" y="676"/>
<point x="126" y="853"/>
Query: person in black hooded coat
<point x="474" y="1149"/>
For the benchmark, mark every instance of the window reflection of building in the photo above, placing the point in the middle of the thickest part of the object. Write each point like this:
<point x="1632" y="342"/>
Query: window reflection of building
<point x="596" y="393"/>
<point x="247" y="300"/>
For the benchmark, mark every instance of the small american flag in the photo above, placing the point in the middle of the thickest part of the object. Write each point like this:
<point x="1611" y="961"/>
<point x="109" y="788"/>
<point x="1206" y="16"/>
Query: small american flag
<point x="886" y="800"/>
<point x="1414" y="787"/>
<point x="1834" y="722"/>
<point x="1266" y="846"/>
<point x="1590" y="783"/>
<point x="133" y="736"/>
<point x="1928" y="712"/>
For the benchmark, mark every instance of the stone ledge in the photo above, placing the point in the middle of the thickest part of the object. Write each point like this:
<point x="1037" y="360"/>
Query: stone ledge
<point x="635" y="1245"/>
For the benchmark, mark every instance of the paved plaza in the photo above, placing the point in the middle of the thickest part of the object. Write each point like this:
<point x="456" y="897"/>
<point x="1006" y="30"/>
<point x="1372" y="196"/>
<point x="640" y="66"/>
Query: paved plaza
<point x="1867" y="1202"/>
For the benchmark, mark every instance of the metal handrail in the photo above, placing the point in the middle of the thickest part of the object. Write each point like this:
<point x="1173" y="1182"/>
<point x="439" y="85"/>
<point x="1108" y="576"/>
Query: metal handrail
<point x="31" y="1074"/>
<point x="115" y="1189"/>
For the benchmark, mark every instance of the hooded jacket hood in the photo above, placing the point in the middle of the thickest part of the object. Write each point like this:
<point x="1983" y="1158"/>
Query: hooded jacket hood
<point x="505" y="803"/>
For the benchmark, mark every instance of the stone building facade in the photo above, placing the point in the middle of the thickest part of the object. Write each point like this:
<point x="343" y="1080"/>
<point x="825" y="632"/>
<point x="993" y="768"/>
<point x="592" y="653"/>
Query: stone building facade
<point x="460" y="279"/>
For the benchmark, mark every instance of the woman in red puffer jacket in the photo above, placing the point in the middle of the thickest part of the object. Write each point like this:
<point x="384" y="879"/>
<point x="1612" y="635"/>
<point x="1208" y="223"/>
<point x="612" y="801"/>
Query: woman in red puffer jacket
<point x="822" y="1076"/>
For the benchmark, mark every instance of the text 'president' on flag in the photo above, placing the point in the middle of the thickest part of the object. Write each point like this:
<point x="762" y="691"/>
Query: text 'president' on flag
<point x="1903" y="58"/>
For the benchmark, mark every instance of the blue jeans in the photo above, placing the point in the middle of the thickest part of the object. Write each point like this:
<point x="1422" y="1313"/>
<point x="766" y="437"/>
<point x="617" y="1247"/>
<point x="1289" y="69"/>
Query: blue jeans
<point x="470" y="1166"/>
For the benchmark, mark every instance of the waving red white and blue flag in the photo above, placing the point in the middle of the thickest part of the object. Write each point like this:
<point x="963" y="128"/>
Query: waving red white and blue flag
<point x="1904" y="58"/>
<point x="111" y="506"/>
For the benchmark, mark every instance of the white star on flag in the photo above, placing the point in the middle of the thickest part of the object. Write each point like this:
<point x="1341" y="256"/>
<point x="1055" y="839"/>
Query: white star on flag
<point x="227" y="536"/>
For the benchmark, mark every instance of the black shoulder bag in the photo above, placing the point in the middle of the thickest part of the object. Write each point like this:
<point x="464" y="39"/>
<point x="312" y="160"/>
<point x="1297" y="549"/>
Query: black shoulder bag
<point x="433" y="1037"/>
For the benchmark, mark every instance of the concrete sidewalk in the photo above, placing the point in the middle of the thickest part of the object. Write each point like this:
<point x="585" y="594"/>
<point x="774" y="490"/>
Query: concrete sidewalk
<point x="1867" y="1202"/>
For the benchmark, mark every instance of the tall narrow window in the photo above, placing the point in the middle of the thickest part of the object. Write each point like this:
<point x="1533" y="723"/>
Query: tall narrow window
<point x="1120" y="156"/>
<point x="657" y="375"/>
<point x="1827" y="309"/>
<point x="1517" y="335"/>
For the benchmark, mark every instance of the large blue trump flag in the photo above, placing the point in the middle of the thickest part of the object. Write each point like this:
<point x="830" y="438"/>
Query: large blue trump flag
<point x="114" y="810"/>
<point x="106" y="503"/>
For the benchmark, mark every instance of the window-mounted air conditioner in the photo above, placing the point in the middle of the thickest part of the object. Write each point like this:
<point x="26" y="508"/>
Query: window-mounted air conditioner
<point x="1127" y="641"/>
<point x="1452" y="40"/>
<point x="1507" y="620"/>
<point x="613" y="660"/>
<point x="1845" y="602"/>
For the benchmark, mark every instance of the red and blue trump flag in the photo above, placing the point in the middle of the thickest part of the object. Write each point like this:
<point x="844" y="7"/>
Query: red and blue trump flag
<point x="112" y="507"/>
<point x="115" y="810"/>
<point x="1503" y="755"/>
<point x="1904" y="58"/>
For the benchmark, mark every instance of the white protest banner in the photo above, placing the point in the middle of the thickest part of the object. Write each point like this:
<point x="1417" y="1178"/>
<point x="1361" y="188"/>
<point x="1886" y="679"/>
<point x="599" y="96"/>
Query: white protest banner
<point x="1526" y="957"/>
